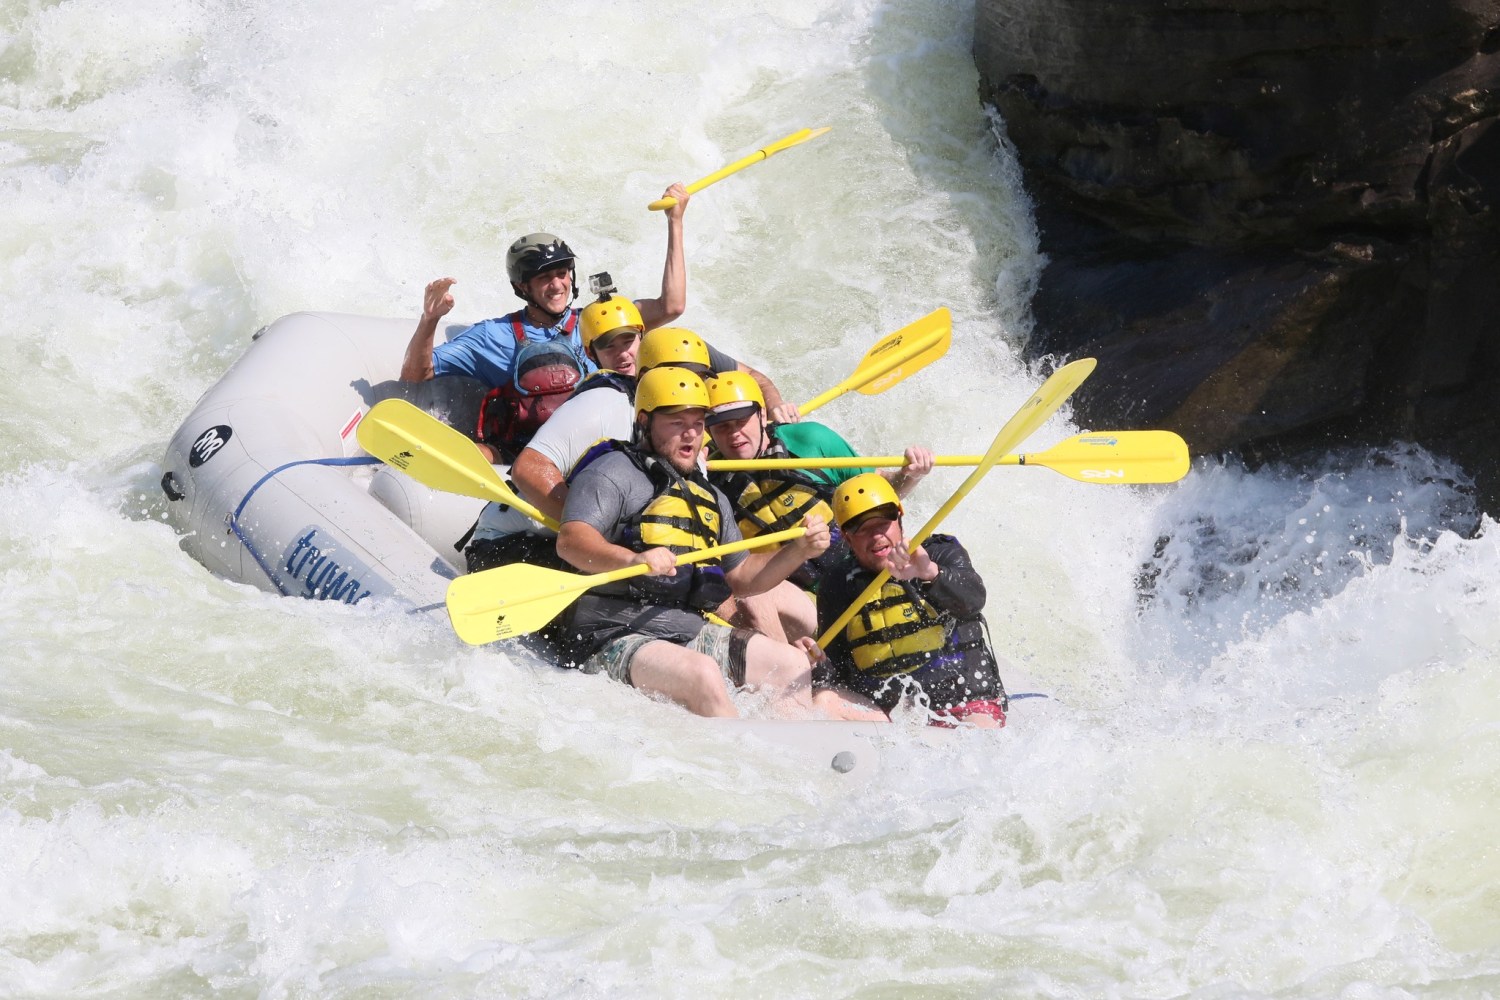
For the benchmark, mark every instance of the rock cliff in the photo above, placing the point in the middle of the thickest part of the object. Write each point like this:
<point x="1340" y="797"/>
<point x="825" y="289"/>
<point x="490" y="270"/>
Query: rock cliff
<point x="1275" y="222"/>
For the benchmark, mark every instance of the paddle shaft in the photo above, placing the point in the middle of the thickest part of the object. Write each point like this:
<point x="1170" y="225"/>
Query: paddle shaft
<point x="422" y="446"/>
<point x="795" y="139"/>
<point x="482" y="610"/>
<point x="844" y="462"/>
<point x="641" y="569"/>
<point x="1102" y="457"/>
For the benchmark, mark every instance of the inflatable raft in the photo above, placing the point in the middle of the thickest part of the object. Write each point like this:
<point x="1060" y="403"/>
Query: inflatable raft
<point x="268" y="486"/>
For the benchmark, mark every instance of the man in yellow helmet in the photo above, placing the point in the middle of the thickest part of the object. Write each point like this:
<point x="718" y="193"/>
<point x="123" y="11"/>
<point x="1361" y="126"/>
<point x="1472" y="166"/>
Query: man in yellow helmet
<point x="923" y="635"/>
<point x="601" y="407"/>
<point x="772" y="499"/>
<point x="612" y="337"/>
<point x="645" y="502"/>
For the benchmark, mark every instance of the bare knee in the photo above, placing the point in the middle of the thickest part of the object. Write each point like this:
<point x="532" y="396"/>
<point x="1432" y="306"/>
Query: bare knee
<point x="704" y="691"/>
<point x="779" y="668"/>
<point x="691" y="679"/>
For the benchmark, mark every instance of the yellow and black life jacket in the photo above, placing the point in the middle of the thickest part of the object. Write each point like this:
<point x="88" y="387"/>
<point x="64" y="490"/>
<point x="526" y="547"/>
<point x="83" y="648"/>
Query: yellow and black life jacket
<point x="777" y="499"/>
<point x="682" y="516"/>
<point x="895" y="632"/>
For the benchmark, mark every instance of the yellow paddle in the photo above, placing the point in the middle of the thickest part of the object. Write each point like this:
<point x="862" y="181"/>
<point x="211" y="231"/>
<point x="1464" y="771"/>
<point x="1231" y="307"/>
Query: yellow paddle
<point x="1128" y="457"/>
<point x="436" y="455"/>
<point x="518" y="599"/>
<point x="795" y="139"/>
<point x="1032" y="414"/>
<point x="894" y="357"/>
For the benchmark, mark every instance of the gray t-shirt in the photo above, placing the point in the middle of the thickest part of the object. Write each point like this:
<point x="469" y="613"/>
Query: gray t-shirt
<point x="605" y="493"/>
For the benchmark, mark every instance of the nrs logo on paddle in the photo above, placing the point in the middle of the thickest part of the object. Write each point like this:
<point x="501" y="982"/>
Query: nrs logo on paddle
<point x="208" y="444"/>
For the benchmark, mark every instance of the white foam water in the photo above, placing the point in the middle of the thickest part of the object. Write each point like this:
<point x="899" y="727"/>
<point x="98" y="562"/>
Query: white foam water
<point x="1268" y="762"/>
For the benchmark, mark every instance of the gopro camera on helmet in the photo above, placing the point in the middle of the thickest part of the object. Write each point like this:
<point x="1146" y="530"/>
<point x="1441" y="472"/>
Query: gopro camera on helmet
<point x="601" y="283"/>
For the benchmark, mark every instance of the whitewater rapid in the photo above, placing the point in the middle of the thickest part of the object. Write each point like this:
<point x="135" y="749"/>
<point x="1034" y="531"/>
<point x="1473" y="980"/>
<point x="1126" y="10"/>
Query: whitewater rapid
<point x="1268" y="763"/>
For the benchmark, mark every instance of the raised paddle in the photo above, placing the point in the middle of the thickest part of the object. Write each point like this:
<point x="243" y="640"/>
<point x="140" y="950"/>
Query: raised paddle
<point x="436" y="455"/>
<point x="1032" y="414"/>
<point x="894" y="357"/>
<point x="1104" y="457"/>
<point x="795" y="139"/>
<point x="518" y="599"/>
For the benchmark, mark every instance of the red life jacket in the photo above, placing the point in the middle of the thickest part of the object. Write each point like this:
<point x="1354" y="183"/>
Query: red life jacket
<point x="543" y="374"/>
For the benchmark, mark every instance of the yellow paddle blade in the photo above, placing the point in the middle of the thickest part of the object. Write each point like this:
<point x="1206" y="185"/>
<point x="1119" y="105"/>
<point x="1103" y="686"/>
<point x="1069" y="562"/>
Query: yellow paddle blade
<point x="479" y="618"/>
<point x="518" y="599"/>
<point x="894" y="357"/>
<point x="1123" y="457"/>
<point x="934" y="330"/>
<point x="1101" y="457"/>
<point x="1032" y="414"/>
<point x="795" y="139"/>
<point x="434" y="454"/>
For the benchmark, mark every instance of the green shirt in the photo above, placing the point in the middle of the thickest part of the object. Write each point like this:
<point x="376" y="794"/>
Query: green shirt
<point x="813" y="440"/>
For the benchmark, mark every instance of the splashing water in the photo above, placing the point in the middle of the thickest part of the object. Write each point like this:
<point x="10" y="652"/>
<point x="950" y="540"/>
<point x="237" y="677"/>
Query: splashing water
<point x="1268" y="765"/>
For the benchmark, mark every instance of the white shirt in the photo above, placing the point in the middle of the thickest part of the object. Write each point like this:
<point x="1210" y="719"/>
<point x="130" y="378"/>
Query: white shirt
<point x="575" y="427"/>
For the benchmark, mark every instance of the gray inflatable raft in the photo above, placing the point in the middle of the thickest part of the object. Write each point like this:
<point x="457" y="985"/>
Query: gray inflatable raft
<point x="268" y="486"/>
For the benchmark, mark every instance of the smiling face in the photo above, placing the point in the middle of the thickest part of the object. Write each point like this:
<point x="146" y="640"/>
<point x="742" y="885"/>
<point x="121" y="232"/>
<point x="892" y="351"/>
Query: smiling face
<point x="743" y="437"/>
<point x="617" y="351"/>
<point x="677" y="435"/>
<point x="551" y="289"/>
<point x="873" y="538"/>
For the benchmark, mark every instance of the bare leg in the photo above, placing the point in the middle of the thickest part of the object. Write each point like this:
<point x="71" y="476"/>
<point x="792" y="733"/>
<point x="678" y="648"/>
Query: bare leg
<point x="836" y="703"/>
<point x="784" y="613"/>
<point x="784" y="673"/>
<point x="691" y="679"/>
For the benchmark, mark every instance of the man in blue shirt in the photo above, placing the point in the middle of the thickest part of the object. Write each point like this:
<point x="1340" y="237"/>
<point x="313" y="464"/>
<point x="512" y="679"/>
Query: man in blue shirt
<point x="542" y="271"/>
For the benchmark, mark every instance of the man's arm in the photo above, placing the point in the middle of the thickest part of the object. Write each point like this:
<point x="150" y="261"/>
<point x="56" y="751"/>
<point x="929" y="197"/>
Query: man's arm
<point x="778" y="410"/>
<point x="673" y="301"/>
<point x="540" y="482"/>
<point x="578" y="423"/>
<point x="416" y="366"/>
<point x="583" y="547"/>
<point x="906" y="478"/>
<point x="957" y="586"/>
<point x="760" y="571"/>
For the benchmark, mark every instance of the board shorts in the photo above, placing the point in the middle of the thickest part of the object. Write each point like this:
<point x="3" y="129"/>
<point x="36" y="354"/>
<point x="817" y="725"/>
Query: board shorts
<point x="724" y="645"/>
<point x="949" y="717"/>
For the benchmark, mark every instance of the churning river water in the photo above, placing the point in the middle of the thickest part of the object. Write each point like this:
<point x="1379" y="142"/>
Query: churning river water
<point x="1269" y="759"/>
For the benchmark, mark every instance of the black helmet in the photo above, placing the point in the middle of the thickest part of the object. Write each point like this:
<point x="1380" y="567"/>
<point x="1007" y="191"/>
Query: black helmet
<point x="534" y="253"/>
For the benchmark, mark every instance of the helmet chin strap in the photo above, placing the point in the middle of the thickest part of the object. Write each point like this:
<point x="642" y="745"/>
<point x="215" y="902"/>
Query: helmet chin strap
<point x="553" y="318"/>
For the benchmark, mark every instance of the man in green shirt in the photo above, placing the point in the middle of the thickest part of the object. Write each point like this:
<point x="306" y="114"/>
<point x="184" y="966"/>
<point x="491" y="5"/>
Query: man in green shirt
<point x="774" y="499"/>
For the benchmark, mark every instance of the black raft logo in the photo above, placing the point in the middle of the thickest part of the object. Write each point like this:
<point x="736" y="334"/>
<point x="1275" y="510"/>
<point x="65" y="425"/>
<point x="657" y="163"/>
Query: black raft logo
<point x="208" y="444"/>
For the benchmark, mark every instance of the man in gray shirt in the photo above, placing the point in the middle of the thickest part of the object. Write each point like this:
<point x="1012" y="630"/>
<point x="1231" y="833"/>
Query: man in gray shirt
<point x="647" y="502"/>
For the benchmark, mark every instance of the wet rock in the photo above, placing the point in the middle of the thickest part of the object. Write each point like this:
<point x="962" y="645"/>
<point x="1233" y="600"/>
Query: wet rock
<point x="1276" y="224"/>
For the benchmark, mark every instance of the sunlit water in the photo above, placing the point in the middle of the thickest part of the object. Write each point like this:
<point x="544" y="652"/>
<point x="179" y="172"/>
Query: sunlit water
<point x="1270" y="758"/>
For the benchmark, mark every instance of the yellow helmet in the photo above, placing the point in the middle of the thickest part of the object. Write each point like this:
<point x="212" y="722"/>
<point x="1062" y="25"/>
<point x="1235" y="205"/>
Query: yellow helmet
<point x="668" y="387"/>
<point x="859" y="495"/>
<point x="671" y="345"/>
<point x="607" y="316"/>
<point x="732" y="395"/>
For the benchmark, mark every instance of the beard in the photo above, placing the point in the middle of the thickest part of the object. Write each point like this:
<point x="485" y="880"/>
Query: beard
<point x="682" y="465"/>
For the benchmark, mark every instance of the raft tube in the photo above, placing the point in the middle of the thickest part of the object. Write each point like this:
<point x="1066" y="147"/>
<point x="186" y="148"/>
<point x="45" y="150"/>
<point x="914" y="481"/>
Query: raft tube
<point x="268" y="486"/>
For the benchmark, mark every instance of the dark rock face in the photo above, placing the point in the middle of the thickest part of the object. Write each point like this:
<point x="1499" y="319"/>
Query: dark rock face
<point x="1275" y="224"/>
